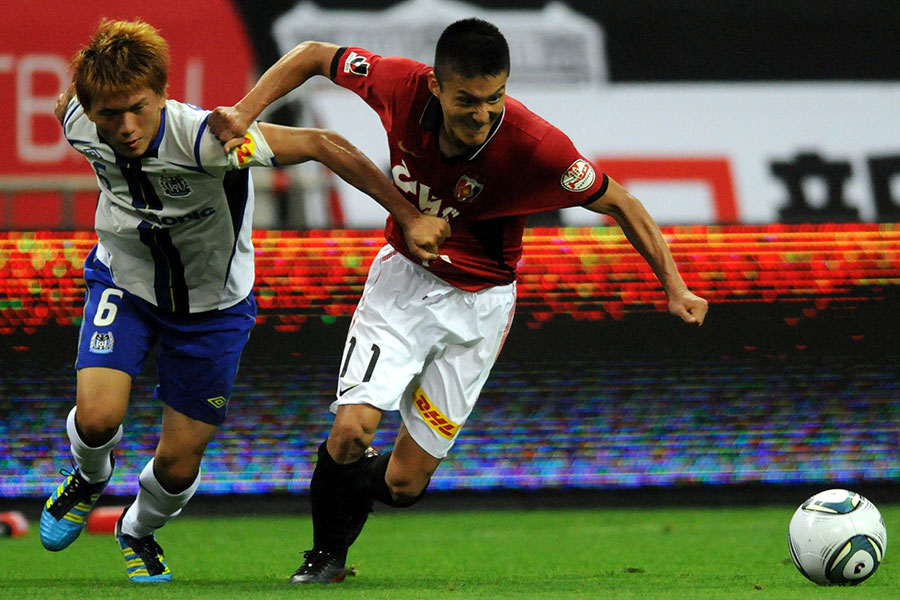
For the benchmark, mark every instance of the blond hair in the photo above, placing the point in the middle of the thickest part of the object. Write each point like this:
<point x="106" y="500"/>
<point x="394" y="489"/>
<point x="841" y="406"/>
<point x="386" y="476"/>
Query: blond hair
<point x="121" y="57"/>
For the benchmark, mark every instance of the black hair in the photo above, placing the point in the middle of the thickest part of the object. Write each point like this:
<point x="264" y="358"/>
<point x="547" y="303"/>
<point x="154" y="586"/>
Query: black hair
<point x="471" y="48"/>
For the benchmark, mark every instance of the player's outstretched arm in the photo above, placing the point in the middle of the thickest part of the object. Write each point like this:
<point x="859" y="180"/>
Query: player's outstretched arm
<point x="291" y="145"/>
<point x="644" y="234"/>
<point x="290" y="71"/>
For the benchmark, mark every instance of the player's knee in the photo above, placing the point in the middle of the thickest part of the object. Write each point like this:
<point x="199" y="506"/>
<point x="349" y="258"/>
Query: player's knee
<point x="348" y="440"/>
<point x="175" y="474"/>
<point x="96" y="427"/>
<point x="406" y="488"/>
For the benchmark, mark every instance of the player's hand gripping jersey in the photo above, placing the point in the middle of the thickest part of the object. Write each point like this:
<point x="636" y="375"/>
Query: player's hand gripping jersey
<point x="174" y="225"/>
<point x="526" y="166"/>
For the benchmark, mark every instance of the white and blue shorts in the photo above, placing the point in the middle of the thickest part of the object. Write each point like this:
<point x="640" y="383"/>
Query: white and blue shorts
<point x="198" y="353"/>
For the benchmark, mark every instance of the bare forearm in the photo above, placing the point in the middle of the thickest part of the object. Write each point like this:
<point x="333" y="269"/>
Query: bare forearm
<point x="290" y="71"/>
<point x="291" y="145"/>
<point x="643" y="233"/>
<point x="354" y="167"/>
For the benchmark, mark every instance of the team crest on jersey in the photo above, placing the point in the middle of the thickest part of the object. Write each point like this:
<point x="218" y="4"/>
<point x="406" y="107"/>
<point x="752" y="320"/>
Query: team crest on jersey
<point x="578" y="177"/>
<point x="101" y="343"/>
<point x="174" y="186"/>
<point x="467" y="188"/>
<point x="356" y="64"/>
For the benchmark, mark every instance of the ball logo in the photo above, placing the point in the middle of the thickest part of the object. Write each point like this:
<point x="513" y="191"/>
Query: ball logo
<point x="578" y="177"/>
<point x="435" y="418"/>
<point x="245" y="151"/>
<point x="467" y="188"/>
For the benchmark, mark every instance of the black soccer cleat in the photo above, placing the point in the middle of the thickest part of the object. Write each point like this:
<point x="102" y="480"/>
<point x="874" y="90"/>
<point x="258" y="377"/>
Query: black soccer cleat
<point x="320" y="566"/>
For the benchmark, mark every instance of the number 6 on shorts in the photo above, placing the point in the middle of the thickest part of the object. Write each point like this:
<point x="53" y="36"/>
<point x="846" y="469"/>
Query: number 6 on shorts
<point x="106" y="309"/>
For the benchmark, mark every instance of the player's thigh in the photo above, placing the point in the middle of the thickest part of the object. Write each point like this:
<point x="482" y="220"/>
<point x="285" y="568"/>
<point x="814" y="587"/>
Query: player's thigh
<point x="198" y="360"/>
<point x="101" y="398"/>
<point x="182" y="442"/>
<point x="113" y="343"/>
<point x="411" y="467"/>
<point x="439" y="402"/>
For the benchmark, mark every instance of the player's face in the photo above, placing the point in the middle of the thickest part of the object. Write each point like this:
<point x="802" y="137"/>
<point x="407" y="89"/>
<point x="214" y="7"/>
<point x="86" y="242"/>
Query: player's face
<point x="130" y="121"/>
<point x="471" y="107"/>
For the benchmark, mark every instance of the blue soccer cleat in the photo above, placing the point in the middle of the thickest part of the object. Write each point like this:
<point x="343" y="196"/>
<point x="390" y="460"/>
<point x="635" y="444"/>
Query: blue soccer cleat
<point x="144" y="558"/>
<point x="66" y="510"/>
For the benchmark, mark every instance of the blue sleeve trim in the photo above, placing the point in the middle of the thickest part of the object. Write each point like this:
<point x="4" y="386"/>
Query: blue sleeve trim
<point x="197" y="141"/>
<point x="70" y="114"/>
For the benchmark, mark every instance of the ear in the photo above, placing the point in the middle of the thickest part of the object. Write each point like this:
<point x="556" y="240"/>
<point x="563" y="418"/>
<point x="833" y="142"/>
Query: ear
<point x="433" y="86"/>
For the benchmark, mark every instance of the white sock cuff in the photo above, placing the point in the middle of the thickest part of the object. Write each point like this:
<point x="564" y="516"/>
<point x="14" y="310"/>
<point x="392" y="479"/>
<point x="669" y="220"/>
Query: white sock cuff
<point x="149" y="482"/>
<point x="75" y="439"/>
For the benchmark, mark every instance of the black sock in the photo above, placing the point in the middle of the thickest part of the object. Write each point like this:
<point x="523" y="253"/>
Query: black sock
<point x="340" y="503"/>
<point x="377" y="486"/>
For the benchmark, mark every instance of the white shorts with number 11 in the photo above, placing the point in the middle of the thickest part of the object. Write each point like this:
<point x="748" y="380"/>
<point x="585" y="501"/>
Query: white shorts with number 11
<point x="422" y="346"/>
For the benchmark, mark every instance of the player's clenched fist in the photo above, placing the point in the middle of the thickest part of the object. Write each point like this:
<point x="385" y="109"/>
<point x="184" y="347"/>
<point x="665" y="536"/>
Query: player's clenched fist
<point x="690" y="307"/>
<point x="425" y="234"/>
<point x="229" y="124"/>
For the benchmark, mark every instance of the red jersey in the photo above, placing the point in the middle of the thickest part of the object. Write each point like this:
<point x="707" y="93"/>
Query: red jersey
<point x="525" y="166"/>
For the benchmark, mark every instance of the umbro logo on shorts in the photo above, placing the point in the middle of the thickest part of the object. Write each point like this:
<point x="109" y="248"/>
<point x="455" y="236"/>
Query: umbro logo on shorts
<point x="218" y="401"/>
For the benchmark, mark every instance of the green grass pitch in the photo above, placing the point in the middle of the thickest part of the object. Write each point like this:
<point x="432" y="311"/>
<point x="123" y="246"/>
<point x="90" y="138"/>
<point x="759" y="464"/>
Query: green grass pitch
<point x="678" y="553"/>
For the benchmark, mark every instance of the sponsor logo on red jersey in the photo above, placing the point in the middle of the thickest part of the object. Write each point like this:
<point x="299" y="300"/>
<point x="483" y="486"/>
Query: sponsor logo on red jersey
<point x="467" y="188"/>
<point x="578" y="177"/>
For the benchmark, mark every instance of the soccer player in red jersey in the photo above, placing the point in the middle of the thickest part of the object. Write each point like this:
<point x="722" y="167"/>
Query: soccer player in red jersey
<point x="426" y="333"/>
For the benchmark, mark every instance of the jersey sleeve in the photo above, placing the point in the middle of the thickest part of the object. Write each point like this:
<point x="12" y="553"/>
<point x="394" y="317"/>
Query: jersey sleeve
<point x="254" y="151"/>
<point x="77" y="127"/>
<point x="372" y="77"/>
<point x="561" y="177"/>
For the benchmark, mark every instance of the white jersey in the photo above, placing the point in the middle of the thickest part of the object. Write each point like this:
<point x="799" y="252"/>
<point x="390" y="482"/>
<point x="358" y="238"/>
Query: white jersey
<point x="174" y="225"/>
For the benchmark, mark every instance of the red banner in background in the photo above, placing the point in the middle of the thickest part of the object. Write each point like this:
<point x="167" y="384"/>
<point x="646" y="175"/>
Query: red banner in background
<point x="211" y="64"/>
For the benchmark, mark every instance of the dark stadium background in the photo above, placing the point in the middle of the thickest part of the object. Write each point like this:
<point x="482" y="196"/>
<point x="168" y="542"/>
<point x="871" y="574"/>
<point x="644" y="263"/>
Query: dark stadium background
<point x="811" y="398"/>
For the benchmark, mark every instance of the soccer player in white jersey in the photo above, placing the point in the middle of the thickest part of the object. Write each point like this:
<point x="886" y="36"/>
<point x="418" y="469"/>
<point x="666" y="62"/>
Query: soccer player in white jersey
<point x="173" y="265"/>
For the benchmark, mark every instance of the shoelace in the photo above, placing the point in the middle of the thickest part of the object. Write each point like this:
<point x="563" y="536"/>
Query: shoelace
<point x="70" y="496"/>
<point x="313" y="559"/>
<point x="149" y="551"/>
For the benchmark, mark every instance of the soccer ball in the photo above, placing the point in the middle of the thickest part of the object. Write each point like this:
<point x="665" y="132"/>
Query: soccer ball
<point x="837" y="537"/>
